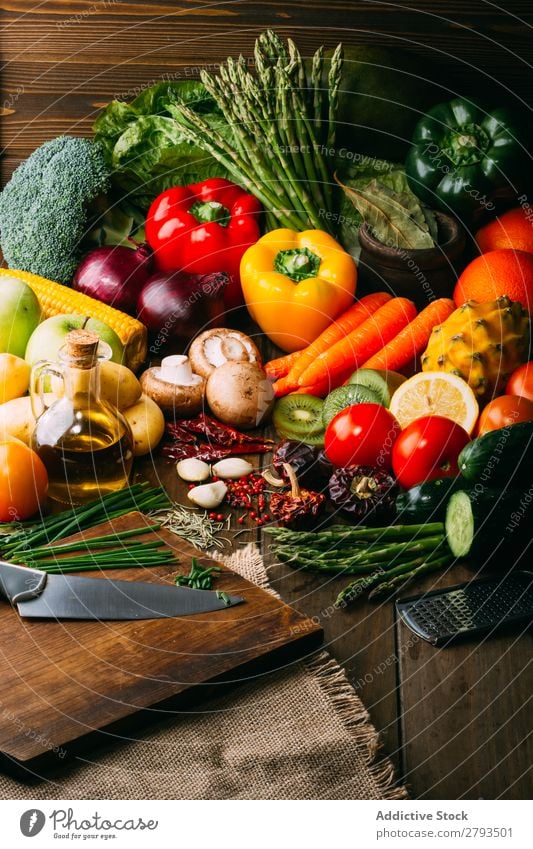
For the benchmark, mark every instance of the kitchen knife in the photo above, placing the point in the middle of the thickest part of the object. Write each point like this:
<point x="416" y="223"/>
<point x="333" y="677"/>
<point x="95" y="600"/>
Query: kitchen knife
<point x="39" y="595"/>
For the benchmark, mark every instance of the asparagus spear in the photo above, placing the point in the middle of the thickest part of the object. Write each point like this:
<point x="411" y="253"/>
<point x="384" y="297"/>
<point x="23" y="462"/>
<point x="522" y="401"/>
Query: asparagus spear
<point x="355" y="588"/>
<point x="334" y="81"/>
<point x="364" y="561"/>
<point x="391" y="586"/>
<point x="318" y="95"/>
<point x="344" y="533"/>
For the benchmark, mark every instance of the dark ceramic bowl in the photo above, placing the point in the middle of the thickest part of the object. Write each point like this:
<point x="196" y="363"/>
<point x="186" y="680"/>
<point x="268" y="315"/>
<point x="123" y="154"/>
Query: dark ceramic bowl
<point x="421" y="275"/>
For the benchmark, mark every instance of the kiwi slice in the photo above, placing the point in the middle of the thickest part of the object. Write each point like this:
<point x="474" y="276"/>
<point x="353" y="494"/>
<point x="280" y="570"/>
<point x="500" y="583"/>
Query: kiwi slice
<point x="310" y="439"/>
<point x="345" y="396"/>
<point x="383" y="383"/>
<point x="299" y="417"/>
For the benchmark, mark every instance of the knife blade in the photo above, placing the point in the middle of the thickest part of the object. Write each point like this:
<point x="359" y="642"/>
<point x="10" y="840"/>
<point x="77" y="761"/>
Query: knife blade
<point x="38" y="595"/>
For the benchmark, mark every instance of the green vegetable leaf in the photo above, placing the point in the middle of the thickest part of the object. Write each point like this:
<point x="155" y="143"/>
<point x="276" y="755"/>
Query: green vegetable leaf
<point x="394" y="214"/>
<point x="145" y="147"/>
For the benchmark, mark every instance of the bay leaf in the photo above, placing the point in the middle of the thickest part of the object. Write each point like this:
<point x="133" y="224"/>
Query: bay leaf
<point x="396" y="218"/>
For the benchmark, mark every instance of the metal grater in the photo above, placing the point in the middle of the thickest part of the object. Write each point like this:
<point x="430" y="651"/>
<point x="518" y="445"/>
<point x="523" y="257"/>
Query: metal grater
<point x="470" y="609"/>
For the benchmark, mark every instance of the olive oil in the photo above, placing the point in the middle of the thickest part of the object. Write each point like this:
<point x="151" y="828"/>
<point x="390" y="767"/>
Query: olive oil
<point x="84" y="442"/>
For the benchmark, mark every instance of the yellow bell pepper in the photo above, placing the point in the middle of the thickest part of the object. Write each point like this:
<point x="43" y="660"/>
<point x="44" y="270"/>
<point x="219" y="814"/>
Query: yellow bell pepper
<point x="295" y="284"/>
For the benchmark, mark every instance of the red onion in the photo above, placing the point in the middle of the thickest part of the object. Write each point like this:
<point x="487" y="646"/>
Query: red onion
<point x="114" y="274"/>
<point x="176" y="306"/>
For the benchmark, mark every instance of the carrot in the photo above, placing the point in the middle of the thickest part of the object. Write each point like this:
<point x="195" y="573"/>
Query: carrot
<point x="282" y="365"/>
<point x="361" y="344"/>
<point x="282" y="386"/>
<point x="337" y="330"/>
<point x="413" y="339"/>
<point x="323" y="387"/>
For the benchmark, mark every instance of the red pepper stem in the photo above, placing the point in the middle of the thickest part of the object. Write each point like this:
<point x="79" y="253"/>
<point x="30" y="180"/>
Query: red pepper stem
<point x="291" y="474"/>
<point x="209" y="211"/>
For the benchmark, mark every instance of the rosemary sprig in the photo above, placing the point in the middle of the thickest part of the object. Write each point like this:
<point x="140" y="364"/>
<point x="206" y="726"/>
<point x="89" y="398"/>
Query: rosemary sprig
<point x="196" y="528"/>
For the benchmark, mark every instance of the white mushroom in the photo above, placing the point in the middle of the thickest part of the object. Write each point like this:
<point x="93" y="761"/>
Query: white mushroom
<point x="218" y="346"/>
<point x="240" y="394"/>
<point x="174" y="387"/>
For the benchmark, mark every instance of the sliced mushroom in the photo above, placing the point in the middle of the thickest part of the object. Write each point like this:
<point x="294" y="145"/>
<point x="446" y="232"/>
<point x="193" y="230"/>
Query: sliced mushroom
<point x="174" y="387"/>
<point x="219" y="346"/>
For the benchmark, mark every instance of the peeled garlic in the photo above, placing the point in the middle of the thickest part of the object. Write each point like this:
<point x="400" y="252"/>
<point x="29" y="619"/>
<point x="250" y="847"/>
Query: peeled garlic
<point x="193" y="470"/>
<point x="232" y="467"/>
<point x="209" y="495"/>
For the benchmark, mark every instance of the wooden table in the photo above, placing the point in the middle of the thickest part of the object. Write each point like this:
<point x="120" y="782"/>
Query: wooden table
<point x="456" y="722"/>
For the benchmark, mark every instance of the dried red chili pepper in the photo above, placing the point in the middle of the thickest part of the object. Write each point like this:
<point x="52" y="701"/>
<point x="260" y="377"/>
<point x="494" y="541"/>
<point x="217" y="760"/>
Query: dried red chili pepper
<point x="366" y="493"/>
<point x="219" y="433"/>
<point x="221" y="440"/>
<point x="208" y="453"/>
<point x="298" y="508"/>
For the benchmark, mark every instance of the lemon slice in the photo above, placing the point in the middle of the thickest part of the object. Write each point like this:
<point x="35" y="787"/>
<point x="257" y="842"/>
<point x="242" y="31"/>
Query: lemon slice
<point x="435" y="393"/>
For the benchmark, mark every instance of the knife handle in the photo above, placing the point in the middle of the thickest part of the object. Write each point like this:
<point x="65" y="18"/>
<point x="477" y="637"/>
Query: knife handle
<point x="19" y="583"/>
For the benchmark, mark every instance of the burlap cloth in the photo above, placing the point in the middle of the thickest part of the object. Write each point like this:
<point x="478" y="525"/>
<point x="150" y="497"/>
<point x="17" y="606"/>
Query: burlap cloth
<point x="298" y="733"/>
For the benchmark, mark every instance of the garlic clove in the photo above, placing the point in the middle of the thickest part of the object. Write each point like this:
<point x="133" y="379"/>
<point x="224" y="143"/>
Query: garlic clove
<point x="232" y="468"/>
<point x="209" y="495"/>
<point x="193" y="470"/>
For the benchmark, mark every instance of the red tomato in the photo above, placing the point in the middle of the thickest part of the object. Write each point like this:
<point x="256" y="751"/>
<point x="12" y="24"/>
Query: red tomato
<point x="521" y="382"/>
<point x="503" y="411"/>
<point x="426" y="449"/>
<point x="23" y="481"/>
<point x="362" y="434"/>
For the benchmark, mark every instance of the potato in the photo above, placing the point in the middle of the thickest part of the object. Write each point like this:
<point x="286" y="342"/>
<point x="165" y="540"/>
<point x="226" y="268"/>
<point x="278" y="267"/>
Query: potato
<point x="14" y="377"/>
<point x="147" y="425"/>
<point x="16" y="419"/>
<point x="118" y="385"/>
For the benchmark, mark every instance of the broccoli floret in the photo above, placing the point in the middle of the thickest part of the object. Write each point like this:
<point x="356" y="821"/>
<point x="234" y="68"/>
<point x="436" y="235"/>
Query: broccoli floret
<point x="45" y="207"/>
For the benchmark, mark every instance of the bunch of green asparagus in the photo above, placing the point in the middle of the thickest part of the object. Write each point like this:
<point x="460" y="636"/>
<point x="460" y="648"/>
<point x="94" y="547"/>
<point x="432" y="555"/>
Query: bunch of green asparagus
<point x="385" y="559"/>
<point x="283" y="123"/>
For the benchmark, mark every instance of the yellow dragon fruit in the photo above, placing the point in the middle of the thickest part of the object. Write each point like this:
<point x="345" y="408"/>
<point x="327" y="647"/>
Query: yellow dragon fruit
<point x="482" y="343"/>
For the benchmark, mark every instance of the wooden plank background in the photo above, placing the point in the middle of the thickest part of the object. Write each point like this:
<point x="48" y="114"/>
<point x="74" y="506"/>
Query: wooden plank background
<point x="456" y="722"/>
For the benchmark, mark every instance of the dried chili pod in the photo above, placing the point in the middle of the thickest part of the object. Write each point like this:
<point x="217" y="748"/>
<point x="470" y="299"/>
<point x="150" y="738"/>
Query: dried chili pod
<point x="311" y="466"/>
<point x="363" y="492"/>
<point x="299" y="508"/>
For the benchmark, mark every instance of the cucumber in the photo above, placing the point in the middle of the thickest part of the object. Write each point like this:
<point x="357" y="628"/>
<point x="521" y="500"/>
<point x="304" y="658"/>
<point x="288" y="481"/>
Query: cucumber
<point x="485" y="521"/>
<point x="427" y="501"/>
<point x="503" y="456"/>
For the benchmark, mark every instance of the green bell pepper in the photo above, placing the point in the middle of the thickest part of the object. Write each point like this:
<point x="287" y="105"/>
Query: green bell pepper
<point x="463" y="159"/>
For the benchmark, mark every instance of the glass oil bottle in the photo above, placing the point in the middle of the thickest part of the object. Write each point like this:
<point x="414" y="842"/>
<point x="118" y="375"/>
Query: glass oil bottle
<point x="84" y="441"/>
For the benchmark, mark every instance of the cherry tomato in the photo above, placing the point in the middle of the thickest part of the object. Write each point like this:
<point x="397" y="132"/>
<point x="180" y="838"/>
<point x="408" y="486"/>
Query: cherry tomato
<point x="521" y="382"/>
<point x="362" y="434"/>
<point x="503" y="411"/>
<point x="23" y="481"/>
<point x="426" y="449"/>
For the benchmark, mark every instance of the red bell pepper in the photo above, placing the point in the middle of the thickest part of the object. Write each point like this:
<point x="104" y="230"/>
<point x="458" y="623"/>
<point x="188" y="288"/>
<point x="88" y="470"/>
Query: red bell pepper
<point x="202" y="228"/>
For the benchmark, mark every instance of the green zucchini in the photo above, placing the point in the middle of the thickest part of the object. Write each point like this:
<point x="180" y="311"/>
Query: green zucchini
<point x="503" y="456"/>
<point x="481" y="521"/>
<point x="426" y="502"/>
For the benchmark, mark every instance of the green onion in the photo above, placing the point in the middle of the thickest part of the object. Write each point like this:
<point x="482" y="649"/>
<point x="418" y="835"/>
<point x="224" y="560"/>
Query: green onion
<point x="26" y="537"/>
<point x="199" y="578"/>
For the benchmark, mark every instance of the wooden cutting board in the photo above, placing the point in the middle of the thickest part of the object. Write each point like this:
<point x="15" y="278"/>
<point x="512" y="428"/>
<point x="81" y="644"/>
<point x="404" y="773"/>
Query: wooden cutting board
<point x="61" y="681"/>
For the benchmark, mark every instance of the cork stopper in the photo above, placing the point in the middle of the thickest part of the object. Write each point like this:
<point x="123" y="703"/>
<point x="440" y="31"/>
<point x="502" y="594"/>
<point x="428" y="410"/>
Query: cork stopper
<point x="82" y="346"/>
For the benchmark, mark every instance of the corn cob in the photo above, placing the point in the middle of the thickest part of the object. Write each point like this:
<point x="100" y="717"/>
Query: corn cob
<point x="55" y="299"/>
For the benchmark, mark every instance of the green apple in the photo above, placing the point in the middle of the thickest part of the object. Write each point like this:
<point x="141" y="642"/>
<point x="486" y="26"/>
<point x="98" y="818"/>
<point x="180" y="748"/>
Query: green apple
<point x="46" y="340"/>
<point x="20" y="314"/>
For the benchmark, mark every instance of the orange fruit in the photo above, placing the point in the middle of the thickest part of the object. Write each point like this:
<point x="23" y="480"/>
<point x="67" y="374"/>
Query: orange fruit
<point x="435" y="393"/>
<point x="502" y="272"/>
<point x="513" y="229"/>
